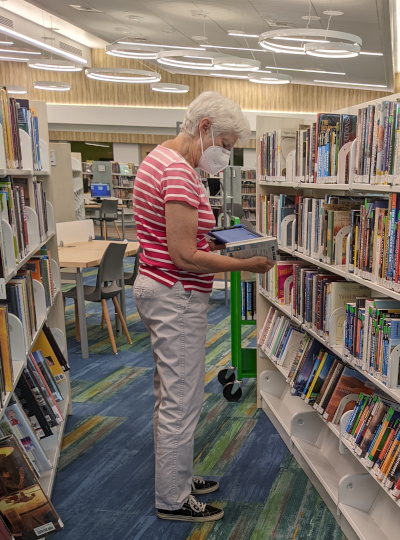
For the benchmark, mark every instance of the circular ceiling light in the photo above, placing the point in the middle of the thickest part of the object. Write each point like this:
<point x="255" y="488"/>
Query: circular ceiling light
<point x="52" y="85"/>
<point x="187" y="59"/>
<point x="170" y="88"/>
<point x="332" y="50"/>
<point x="17" y="90"/>
<point x="123" y="75"/>
<point x="54" y="65"/>
<point x="269" y="40"/>
<point x="235" y="63"/>
<point x="332" y="13"/>
<point x="272" y="78"/>
<point x="131" y="51"/>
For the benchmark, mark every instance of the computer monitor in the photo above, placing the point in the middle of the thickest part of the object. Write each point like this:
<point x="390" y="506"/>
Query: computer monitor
<point x="100" y="191"/>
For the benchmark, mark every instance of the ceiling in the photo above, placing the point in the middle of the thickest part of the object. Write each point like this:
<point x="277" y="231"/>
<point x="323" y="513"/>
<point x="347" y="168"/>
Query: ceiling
<point x="176" y="22"/>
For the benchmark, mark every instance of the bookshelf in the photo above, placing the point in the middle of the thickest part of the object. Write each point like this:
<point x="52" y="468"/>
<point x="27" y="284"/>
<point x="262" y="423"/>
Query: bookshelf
<point x="248" y="193"/>
<point x="50" y="313"/>
<point x="363" y="506"/>
<point x="76" y="165"/>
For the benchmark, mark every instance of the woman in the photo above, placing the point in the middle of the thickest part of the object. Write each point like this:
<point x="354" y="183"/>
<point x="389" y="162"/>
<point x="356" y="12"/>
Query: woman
<point x="173" y="217"/>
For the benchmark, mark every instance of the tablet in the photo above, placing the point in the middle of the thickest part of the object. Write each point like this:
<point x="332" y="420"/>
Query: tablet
<point x="235" y="234"/>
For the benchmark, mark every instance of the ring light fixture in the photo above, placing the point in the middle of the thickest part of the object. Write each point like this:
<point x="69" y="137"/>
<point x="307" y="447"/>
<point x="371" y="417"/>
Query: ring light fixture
<point x="52" y="85"/>
<point x="123" y="75"/>
<point x="271" y="78"/>
<point x="332" y="50"/>
<point x="235" y="63"/>
<point x="127" y="50"/>
<point x="170" y="88"/>
<point x="344" y="43"/>
<point x="54" y="65"/>
<point x="187" y="59"/>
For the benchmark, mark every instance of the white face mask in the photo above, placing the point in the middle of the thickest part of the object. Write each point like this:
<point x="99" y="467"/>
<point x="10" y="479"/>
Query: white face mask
<point x="215" y="158"/>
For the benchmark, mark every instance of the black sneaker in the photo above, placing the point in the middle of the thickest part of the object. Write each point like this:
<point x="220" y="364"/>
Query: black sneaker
<point x="201" y="486"/>
<point x="192" y="510"/>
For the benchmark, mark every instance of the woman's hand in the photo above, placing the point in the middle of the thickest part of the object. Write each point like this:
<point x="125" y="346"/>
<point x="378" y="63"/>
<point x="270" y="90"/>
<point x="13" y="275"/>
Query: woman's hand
<point x="259" y="265"/>
<point x="215" y="246"/>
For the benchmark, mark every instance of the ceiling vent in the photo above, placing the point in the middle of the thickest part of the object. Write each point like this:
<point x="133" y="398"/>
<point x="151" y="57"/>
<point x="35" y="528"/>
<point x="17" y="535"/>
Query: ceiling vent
<point x="69" y="48"/>
<point x="6" y="22"/>
<point x="84" y="8"/>
<point x="279" y="24"/>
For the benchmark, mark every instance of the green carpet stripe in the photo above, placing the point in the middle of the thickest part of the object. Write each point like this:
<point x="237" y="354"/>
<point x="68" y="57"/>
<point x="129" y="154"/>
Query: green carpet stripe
<point x="108" y="387"/>
<point x="224" y="447"/>
<point x="87" y="439"/>
<point x="77" y="387"/>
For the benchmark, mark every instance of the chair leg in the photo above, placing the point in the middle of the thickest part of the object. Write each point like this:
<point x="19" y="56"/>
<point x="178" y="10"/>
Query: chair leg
<point x="105" y="230"/>
<point x="64" y="301"/>
<point x="109" y="326"/>
<point x="121" y="318"/>
<point x="77" y="331"/>
<point x="116" y="226"/>
<point x="102" y="318"/>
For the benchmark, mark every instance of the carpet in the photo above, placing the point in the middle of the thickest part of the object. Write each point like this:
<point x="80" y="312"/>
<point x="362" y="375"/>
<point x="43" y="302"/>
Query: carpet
<point x="104" y="485"/>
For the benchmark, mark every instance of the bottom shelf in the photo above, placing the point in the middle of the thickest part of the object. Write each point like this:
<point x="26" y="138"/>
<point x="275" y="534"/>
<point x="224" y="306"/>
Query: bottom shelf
<point x="361" y="507"/>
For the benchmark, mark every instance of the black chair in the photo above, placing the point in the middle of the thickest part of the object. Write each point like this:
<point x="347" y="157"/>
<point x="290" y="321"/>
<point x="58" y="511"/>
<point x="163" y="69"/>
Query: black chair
<point x="110" y="271"/>
<point x="129" y="277"/>
<point x="108" y="213"/>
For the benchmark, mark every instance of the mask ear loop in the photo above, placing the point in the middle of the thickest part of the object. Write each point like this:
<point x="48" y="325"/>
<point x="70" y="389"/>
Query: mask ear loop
<point x="201" y="142"/>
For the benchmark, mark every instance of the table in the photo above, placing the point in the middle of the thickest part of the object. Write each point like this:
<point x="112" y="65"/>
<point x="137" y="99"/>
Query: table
<point x="121" y="207"/>
<point x="87" y="255"/>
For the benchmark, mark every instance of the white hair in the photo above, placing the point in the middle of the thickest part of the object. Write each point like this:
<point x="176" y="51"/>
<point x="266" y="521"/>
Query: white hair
<point x="226" y="116"/>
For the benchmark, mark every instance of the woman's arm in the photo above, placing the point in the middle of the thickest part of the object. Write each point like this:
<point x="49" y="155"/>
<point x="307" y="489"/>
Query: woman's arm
<point x="181" y="226"/>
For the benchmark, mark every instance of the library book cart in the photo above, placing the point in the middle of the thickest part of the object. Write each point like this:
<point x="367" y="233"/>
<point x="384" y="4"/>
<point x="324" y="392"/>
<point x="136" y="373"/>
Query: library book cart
<point x="243" y="359"/>
<point x="362" y="505"/>
<point x="52" y="315"/>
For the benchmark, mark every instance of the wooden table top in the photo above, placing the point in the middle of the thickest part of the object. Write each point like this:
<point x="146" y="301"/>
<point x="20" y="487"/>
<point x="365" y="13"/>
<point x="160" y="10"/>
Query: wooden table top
<point x="89" y="253"/>
<point x="98" y="205"/>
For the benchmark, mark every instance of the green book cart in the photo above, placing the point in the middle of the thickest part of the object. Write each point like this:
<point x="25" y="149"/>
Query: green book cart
<point x="243" y="359"/>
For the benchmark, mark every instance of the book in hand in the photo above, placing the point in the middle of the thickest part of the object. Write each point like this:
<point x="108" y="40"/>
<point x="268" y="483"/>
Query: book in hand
<point x="243" y="244"/>
<point x="23" y="504"/>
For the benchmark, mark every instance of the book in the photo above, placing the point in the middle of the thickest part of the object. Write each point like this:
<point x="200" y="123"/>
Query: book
<point x="23" y="503"/>
<point x="346" y="392"/>
<point x="263" y="247"/>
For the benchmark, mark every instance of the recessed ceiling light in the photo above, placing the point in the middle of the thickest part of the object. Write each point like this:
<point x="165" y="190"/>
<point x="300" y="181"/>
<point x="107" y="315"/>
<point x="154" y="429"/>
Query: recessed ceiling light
<point x="52" y="85"/>
<point x="123" y="75"/>
<point x="135" y="18"/>
<point x="307" y="70"/>
<point x="20" y="90"/>
<point x="54" y="65"/>
<point x="345" y="83"/>
<point x="14" y="59"/>
<point x="83" y="8"/>
<point x="26" y="39"/>
<point x="170" y="88"/>
<point x="159" y="46"/>
<point x="6" y="43"/>
<point x="371" y="53"/>
<point x="13" y="51"/>
<point x="241" y="33"/>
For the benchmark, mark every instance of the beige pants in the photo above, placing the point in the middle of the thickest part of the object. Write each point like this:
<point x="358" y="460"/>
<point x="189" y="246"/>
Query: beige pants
<point x="177" y="322"/>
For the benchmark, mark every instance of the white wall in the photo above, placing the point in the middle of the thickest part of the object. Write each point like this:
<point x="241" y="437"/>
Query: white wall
<point x="126" y="153"/>
<point x="249" y="158"/>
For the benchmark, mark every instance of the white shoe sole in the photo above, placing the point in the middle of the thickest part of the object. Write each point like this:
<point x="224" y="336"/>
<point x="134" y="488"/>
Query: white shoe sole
<point x="204" y="519"/>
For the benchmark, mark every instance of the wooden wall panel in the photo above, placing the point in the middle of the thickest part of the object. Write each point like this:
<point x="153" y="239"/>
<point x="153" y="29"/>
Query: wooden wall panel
<point x="250" y="96"/>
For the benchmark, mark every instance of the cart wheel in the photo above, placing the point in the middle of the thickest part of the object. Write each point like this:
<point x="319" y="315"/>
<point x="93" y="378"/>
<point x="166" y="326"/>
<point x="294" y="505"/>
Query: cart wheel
<point x="222" y="377"/>
<point x="227" y="392"/>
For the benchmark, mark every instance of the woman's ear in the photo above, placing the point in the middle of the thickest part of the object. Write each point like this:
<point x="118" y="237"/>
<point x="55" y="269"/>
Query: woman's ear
<point x="205" y="125"/>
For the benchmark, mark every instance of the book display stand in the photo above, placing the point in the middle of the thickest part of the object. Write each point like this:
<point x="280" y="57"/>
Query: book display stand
<point x="48" y="312"/>
<point x="362" y="505"/>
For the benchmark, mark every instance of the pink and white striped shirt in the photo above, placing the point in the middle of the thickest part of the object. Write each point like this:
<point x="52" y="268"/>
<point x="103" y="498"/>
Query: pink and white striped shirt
<point x="163" y="176"/>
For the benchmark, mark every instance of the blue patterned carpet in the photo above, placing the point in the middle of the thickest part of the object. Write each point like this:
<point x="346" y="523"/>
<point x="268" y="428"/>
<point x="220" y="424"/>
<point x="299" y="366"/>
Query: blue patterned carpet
<point x="104" y="486"/>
